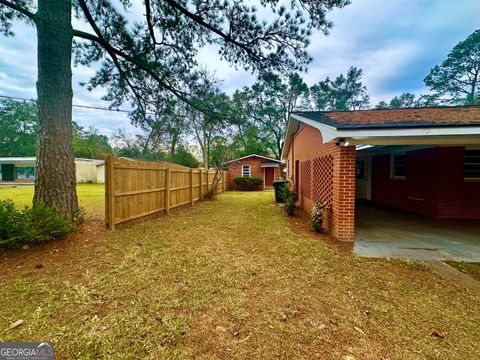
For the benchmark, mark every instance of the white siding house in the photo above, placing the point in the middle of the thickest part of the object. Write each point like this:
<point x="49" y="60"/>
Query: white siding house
<point x="23" y="169"/>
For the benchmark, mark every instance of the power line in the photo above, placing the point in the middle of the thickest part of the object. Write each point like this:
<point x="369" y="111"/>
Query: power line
<point x="74" y="105"/>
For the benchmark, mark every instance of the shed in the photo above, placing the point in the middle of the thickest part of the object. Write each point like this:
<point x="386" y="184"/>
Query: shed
<point x="254" y="165"/>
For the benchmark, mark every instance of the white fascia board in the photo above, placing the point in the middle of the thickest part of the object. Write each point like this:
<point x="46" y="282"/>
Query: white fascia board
<point x="288" y="138"/>
<point x="328" y="132"/>
<point x="396" y="132"/>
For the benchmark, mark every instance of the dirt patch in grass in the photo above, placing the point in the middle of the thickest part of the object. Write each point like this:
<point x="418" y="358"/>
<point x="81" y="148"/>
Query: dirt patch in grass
<point x="231" y="279"/>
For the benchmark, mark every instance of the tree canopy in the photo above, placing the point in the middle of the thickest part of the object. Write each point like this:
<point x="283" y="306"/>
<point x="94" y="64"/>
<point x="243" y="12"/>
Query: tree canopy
<point x="456" y="79"/>
<point x="89" y="143"/>
<point x="341" y="94"/>
<point x="18" y="128"/>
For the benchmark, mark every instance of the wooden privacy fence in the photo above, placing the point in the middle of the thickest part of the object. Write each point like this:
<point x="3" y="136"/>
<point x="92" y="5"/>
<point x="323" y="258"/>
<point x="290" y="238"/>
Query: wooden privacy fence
<point x="134" y="189"/>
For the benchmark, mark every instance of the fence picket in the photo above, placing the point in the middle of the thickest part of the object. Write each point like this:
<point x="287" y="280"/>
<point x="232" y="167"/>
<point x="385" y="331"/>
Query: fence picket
<point x="134" y="189"/>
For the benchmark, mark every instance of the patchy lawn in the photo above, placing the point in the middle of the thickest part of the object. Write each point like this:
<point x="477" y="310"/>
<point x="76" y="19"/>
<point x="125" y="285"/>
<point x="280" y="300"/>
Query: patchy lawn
<point x="232" y="278"/>
<point x="91" y="197"/>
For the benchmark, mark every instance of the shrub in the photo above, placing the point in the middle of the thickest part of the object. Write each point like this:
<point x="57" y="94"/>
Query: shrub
<point x="318" y="215"/>
<point x="30" y="225"/>
<point x="248" y="183"/>
<point x="290" y="198"/>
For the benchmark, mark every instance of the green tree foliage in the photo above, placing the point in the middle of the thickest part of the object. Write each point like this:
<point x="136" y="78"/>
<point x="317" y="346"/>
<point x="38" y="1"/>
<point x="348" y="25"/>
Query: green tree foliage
<point x="456" y="79"/>
<point x="135" y="147"/>
<point x="90" y="144"/>
<point x="342" y="94"/>
<point x="382" y="105"/>
<point x="249" y="140"/>
<point x="221" y="151"/>
<point x="163" y="119"/>
<point x="18" y="128"/>
<point x="246" y="138"/>
<point x="215" y="120"/>
<point x="405" y="100"/>
<point x="183" y="156"/>
<point x="268" y="104"/>
<point x="408" y="100"/>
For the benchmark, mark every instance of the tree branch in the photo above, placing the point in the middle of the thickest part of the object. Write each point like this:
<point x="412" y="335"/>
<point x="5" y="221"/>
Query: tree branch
<point x="148" y="14"/>
<point x="140" y="64"/>
<point x="200" y="21"/>
<point x="18" y="8"/>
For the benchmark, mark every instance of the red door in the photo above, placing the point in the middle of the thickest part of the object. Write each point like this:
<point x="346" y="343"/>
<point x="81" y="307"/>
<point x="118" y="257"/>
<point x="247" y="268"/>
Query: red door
<point x="269" y="176"/>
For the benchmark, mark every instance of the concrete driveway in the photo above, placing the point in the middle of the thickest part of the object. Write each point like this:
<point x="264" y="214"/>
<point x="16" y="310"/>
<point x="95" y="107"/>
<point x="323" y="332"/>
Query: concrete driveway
<point x="386" y="232"/>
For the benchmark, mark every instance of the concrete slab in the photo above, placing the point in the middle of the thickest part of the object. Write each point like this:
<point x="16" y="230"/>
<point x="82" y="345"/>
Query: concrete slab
<point x="385" y="232"/>
<point x="451" y="273"/>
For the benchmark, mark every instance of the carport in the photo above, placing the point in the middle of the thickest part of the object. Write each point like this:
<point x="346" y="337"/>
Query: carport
<point x="422" y="161"/>
<point x="418" y="201"/>
<point x="388" y="232"/>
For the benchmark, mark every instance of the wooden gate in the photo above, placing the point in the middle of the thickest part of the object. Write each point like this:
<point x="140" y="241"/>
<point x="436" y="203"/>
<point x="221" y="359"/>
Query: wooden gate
<point x="135" y="189"/>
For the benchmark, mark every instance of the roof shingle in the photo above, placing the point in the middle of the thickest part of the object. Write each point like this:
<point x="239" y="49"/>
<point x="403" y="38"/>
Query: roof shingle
<point x="397" y="118"/>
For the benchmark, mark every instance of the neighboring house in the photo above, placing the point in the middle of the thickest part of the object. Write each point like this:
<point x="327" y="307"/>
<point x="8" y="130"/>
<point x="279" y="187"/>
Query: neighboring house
<point x="23" y="169"/>
<point x="101" y="173"/>
<point x="254" y="165"/>
<point x="425" y="161"/>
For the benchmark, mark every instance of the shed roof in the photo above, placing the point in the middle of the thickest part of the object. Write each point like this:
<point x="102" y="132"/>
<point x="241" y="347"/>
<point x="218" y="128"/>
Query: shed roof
<point x="252" y="155"/>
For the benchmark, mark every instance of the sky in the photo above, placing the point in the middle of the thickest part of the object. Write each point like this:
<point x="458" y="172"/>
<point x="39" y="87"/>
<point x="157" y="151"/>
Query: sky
<point x="394" y="42"/>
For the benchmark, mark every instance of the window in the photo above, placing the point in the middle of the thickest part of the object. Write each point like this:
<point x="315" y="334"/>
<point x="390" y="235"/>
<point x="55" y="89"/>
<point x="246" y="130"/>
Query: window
<point x="398" y="167"/>
<point x="246" y="170"/>
<point x="25" y="172"/>
<point x="360" y="170"/>
<point x="471" y="169"/>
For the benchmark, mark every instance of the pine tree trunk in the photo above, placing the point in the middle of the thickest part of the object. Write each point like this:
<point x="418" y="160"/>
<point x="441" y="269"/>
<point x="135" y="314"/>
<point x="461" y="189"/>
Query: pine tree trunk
<point x="55" y="184"/>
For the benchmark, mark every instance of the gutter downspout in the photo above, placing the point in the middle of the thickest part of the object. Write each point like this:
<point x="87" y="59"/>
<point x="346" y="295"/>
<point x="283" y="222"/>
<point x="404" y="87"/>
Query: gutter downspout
<point x="293" y="150"/>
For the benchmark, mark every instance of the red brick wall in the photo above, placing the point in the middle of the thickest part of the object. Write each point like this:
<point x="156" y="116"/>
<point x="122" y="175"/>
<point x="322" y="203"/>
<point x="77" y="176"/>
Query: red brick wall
<point x="256" y="170"/>
<point x="327" y="174"/>
<point x="434" y="184"/>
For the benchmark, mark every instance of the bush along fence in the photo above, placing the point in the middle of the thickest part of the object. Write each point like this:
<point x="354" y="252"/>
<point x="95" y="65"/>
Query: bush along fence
<point x="135" y="189"/>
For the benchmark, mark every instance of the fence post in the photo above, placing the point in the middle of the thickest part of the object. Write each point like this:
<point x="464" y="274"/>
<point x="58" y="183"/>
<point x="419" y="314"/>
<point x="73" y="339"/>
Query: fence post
<point x="224" y="181"/>
<point x="208" y="179"/>
<point x="167" y="191"/>
<point x="109" y="193"/>
<point x="191" y="187"/>
<point x="201" y="185"/>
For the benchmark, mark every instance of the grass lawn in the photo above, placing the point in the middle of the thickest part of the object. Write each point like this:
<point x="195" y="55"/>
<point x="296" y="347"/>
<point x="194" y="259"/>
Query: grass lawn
<point x="91" y="197"/>
<point x="230" y="279"/>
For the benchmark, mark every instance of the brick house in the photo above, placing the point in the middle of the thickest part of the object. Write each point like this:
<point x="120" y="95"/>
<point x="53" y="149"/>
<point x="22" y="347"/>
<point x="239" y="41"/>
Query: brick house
<point x="421" y="160"/>
<point x="254" y="165"/>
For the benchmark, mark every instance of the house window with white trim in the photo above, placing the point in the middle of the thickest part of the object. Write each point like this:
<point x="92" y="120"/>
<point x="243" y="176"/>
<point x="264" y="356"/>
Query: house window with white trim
<point x="246" y="170"/>
<point x="471" y="168"/>
<point x="398" y="167"/>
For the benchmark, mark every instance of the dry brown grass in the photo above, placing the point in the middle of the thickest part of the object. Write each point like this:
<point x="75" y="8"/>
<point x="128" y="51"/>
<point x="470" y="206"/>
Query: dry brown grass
<point x="232" y="278"/>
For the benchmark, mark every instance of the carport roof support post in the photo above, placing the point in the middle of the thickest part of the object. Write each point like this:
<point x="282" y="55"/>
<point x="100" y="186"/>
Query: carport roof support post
<point x="343" y="206"/>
